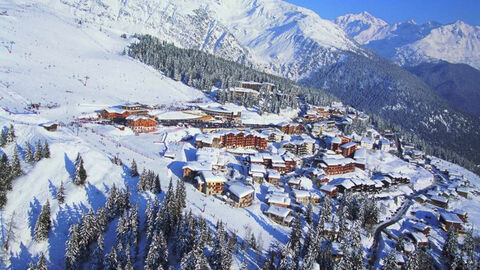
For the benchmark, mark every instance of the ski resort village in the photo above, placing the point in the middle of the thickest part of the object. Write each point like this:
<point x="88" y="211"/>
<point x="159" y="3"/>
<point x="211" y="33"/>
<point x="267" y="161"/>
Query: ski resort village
<point x="114" y="154"/>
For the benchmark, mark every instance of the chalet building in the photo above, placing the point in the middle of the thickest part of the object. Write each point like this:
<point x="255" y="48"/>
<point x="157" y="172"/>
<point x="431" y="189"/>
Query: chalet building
<point x="177" y="117"/>
<point x="222" y="113"/>
<point x="135" y="108"/>
<point x="294" y="182"/>
<point x="273" y="177"/>
<point x="330" y="231"/>
<point x="348" y="149"/>
<point x="300" y="146"/>
<point x="50" y="126"/>
<point x="398" y="178"/>
<point x="333" y="166"/>
<point x="241" y="195"/>
<point x="209" y="183"/>
<point x="439" y="201"/>
<point x="193" y="169"/>
<point x="319" y="128"/>
<point x="462" y="192"/>
<point x="257" y="86"/>
<point x="367" y="143"/>
<point x="141" y="124"/>
<point x="304" y="197"/>
<point x="115" y="114"/>
<point x="275" y="135"/>
<point x="462" y="214"/>
<point x="335" y="143"/>
<point x="418" y="238"/>
<point x="384" y="145"/>
<point x="360" y="158"/>
<point x="282" y="164"/>
<point x="420" y="227"/>
<point x="322" y="111"/>
<point x="280" y="215"/>
<point x="344" y="186"/>
<point x="278" y="199"/>
<point x="242" y="93"/>
<point x="449" y="220"/>
<point x="233" y="139"/>
<point x="330" y="190"/>
<point x="291" y="128"/>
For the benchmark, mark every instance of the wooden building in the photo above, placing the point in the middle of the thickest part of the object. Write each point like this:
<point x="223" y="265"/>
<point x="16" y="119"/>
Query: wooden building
<point x="333" y="166"/>
<point x="141" y="124"/>
<point x="241" y="195"/>
<point x="209" y="183"/>
<point x="280" y="215"/>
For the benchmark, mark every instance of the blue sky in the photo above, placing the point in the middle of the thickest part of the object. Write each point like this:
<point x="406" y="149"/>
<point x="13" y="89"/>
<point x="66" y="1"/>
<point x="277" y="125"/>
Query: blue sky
<point x="392" y="11"/>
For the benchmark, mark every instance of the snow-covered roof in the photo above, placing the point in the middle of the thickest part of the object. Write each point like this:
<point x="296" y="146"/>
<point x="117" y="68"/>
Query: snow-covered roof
<point x="460" y="212"/>
<point x="420" y="226"/>
<point x="240" y="190"/>
<point x="273" y="174"/>
<point x="328" y="188"/>
<point x="198" y="166"/>
<point x="361" y="153"/>
<point x="348" y="145"/>
<point x="115" y="110"/>
<point x="440" y="199"/>
<point x="368" y="140"/>
<point x="450" y="217"/>
<point x="256" y="159"/>
<point x="209" y="177"/>
<point x="336" y="140"/>
<point x="177" y="115"/>
<point x="295" y="181"/>
<point x="138" y="117"/>
<point x="300" y="193"/>
<point x="337" y="161"/>
<point x="278" y="199"/>
<point x="419" y="237"/>
<point x="279" y="211"/>
<point x="259" y="168"/>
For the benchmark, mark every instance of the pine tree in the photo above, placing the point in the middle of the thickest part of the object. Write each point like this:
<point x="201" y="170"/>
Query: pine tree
<point x="16" y="169"/>
<point x="3" y="138"/>
<point x="98" y="254"/>
<point x="450" y="248"/>
<point x="296" y="234"/>
<point x="46" y="150"/>
<point x="412" y="262"/>
<point x="43" y="223"/>
<point x="157" y="253"/>
<point x="195" y="259"/>
<point x="468" y="249"/>
<point x="111" y="260"/>
<point x="309" y="215"/>
<point x="80" y="173"/>
<point x="31" y="266"/>
<point x="38" y="151"/>
<point x="42" y="262"/>
<point x="11" y="134"/>
<point x="29" y="153"/>
<point x="5" y="174"/>
<point x="220" y="257"/>
<point x="128" y="264"/>
<point x="133" y="169"/>
<point x="390" y="262"/>
<point x="157" y="189"/>
<point x="61" y="193"/>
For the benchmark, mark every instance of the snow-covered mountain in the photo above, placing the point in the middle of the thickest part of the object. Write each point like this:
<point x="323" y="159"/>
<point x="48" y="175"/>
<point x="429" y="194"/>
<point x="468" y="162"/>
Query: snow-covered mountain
<point x="410" y="43"/>
<point x="269" y="34"/>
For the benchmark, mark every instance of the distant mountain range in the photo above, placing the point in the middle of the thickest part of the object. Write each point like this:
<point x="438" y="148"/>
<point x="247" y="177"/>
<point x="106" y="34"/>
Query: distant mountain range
<point x="410" y="43"/>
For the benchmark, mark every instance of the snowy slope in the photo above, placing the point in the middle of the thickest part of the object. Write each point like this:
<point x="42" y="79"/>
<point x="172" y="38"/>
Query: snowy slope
<point x="269" y="34"/>
<point x="409" y="43"/>
<point x="48" y="65"/>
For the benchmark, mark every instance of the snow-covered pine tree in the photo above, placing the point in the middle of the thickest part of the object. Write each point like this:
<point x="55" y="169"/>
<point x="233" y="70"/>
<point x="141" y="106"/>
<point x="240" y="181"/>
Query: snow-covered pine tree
<point x="157" y="188"/>
<point x="11" y="134"/>
<point x="309" y="214"/>
<point x="296" y="234"/>
<point x="450" y="248"/>
<point x="42" y="262"/>
<point x="37" y="156"/>
<point x="5" y="174"/>
<point x="61" y="193"/>
<point x="183" y="236"/>
<point x="128" y="259"/>
<point x="468" y="249"/>
<point x="220" y="258"/>
<point x="157" y="254"/>
<point x="43" y="224"/>
<point x="28" y="153"/>
<point x="31" y="266"/>
<point x="111" y="260"/>
<point x="181" y="195"/>
<point x="80" y="177"/>
<point x="390" y="263"/>
<point x="142" y="180"/>
<point x="3" y="137"/>
<point x="46" y="150"/>
<point x="16" y="169"/>
<point x="98" y="254"/>
<point x="413" y="262"/>
<point x="195" y="259"/>
<point x="134" y="169"/>
<point x="72" y="250"/>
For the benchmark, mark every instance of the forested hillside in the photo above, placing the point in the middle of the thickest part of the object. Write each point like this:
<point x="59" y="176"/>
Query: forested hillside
<point x="383" y="89"/>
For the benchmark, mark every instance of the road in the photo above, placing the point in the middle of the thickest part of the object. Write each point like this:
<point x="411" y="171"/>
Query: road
<point x="406" y="204"/>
